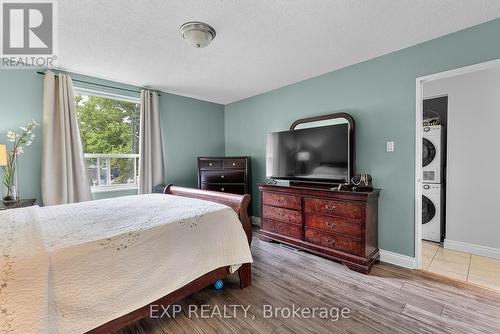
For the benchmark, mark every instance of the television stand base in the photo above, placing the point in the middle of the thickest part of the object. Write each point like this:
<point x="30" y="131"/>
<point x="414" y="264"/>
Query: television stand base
<point x="341" y="225"/>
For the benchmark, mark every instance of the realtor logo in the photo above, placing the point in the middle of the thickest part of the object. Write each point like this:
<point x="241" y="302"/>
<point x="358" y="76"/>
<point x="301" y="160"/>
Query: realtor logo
<point x="28" y="30"/>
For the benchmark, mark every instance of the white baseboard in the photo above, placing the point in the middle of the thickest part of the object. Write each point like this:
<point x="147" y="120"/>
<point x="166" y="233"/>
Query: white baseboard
<point x="255" y="220"/>
<point x="397" y="259"/>
<point x="472" y="249"/>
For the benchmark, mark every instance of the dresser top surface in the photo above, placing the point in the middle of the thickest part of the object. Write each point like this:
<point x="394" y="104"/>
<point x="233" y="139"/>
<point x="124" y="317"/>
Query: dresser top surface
<point x="322" y="190"/>
<point x="225" y="157"/>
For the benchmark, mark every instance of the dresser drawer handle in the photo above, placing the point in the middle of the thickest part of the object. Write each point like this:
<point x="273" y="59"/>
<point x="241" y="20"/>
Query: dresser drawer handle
<point x="331" y="224"/>
<point x="210" y="164"/>
<point x="281" y="213"/>
<point x="280" y="228"/>
<point x="221" y="189"/>
<point x="330" y="207"/>
<point x="331" y="241"/>
<point x="222" y="176"/>
<point x="234" y="164"/>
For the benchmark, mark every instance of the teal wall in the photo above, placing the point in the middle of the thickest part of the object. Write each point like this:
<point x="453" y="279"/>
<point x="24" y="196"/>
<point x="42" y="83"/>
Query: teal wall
<point x="190" y="128"/>
<point x="21" y="95"/>
<point x="380" y="94"/>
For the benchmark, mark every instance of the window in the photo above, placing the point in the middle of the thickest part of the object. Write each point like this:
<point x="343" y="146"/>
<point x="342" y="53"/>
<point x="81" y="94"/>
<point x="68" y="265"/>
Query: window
<point x="109" y="127"/>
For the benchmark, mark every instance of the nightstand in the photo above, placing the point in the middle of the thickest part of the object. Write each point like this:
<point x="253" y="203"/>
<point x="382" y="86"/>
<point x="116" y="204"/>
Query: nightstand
<point x="20" y="203"/>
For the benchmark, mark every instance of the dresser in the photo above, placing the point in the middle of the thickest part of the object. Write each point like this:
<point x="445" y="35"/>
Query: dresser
<point x="340" y="225"/>
<point x="225" y="174"/>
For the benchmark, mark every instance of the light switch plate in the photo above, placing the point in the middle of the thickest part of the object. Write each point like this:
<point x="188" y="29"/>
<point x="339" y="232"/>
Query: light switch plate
<point x="390" y="146"/>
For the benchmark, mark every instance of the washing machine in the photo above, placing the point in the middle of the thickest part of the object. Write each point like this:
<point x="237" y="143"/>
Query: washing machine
<point x="432" y="212"/>
<point x="432" y="151"/>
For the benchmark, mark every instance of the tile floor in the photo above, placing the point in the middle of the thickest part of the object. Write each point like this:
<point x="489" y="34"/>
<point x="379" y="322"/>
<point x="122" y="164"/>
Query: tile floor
<point x="466" y="267"/>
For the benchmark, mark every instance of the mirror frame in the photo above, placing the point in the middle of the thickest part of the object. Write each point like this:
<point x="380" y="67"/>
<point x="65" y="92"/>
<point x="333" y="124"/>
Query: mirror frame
<point x="352" y="133"/>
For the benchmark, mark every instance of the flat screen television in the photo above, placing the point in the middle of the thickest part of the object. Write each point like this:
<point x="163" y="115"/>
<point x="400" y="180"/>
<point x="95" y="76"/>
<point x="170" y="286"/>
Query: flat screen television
<point x="319" y="154"/>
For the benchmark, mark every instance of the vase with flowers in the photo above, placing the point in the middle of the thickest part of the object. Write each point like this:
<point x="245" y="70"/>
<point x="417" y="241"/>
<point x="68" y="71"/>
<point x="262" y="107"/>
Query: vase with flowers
<point x="19" y="140"/>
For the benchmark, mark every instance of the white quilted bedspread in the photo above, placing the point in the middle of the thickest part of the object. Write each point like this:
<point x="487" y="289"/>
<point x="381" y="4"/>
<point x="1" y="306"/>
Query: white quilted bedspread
<point x="70" y="268"/>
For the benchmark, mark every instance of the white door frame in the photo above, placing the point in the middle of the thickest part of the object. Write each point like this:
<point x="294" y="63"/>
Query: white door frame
<point x="418" y="141"/>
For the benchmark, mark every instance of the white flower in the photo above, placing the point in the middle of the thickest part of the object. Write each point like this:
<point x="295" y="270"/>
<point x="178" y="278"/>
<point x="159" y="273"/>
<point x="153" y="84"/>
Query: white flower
<point x="27" y="136"/>
<point x="20" y="150"/>
<point x="11" y="136"/>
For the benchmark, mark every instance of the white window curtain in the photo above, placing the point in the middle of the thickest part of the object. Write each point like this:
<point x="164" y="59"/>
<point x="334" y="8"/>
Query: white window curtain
<point x="151" y="172"/>
<point x="64" y="176"/>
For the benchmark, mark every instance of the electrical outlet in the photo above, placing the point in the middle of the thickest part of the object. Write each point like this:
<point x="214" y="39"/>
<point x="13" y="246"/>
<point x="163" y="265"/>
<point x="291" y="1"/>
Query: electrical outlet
<point x="390" y="146"/>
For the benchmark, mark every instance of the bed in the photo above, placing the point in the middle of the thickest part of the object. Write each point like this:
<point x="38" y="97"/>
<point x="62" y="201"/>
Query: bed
<point x="95" y="267"/>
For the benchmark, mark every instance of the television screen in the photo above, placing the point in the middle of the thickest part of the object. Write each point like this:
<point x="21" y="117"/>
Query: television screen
<point x="319" y="154"/>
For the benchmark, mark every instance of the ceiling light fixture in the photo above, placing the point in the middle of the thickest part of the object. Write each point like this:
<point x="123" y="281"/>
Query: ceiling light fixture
<point x="197" y="34"/>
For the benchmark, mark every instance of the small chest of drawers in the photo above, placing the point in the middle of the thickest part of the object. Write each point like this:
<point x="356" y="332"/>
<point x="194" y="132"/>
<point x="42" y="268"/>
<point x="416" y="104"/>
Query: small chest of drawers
<point x="341" y="225"/>
<point x="225" y="174"/>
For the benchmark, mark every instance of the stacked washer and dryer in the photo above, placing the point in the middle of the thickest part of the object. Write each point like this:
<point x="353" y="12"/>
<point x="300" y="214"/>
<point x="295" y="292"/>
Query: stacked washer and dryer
<point x="433" y="183"/>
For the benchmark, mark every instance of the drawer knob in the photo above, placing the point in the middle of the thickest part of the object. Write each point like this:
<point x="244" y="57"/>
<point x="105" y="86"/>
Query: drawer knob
<point x="330" y="207"/>
<point x="331" y="241"/>
<point x="221" y="189"/>
<point x="281" y="213"/>
<point x="331" y="224"/>
<point x="234" y="164"/>
<point x="222" y="176"/>
<point x="210" y="164"/>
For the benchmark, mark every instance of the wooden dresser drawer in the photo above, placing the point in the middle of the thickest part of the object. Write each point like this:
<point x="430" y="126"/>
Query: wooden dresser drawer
<point x="286" y="215"/>
<point x="234" y="163"/>
<point x="332" y="224"/>
<point x="229" y="176"/>
<point x="228" y="188"/>
<point x="282" y="201"/>
<point x="210" y="164"/>
<point x="289" y="230"/>
<point x="329" y="207"/>
<point x="334" y="241"/>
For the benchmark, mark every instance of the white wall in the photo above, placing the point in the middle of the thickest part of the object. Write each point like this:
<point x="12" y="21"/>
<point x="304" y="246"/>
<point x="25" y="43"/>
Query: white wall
<point x="473" y="171"/>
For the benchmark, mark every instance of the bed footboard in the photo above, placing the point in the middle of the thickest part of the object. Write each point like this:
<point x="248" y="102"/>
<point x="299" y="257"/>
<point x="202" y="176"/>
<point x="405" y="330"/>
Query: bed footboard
<point x="238" y="203"/>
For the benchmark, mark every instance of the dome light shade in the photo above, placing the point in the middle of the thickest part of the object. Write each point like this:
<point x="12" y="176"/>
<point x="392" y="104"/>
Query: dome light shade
<point x="197" y="34"/>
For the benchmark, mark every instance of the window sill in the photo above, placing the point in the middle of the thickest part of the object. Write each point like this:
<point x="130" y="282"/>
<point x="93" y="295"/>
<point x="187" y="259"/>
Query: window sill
<point x="107" y="189"/>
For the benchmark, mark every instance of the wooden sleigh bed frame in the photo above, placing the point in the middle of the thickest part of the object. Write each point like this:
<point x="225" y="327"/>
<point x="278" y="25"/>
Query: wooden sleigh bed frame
<point x="238" y="203"/>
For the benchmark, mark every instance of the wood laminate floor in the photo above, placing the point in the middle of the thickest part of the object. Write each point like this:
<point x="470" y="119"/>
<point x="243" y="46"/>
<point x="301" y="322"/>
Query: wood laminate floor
<point x="389" y="300"/>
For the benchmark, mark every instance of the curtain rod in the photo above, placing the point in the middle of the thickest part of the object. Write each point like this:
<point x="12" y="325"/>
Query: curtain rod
<point x="101" y="85"/>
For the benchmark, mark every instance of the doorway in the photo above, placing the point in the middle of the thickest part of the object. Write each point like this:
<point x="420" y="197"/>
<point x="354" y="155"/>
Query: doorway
<point x="454" y="219"/>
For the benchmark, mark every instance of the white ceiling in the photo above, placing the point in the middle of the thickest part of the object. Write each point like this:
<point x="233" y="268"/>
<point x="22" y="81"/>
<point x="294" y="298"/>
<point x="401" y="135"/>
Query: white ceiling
<point x="260" y="45"/>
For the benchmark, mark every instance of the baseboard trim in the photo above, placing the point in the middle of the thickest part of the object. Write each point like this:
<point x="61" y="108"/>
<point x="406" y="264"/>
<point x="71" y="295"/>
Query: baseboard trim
<point x="472" y="248"/>
<point x="255" y="220"/>
<point x="397" y="259"/>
